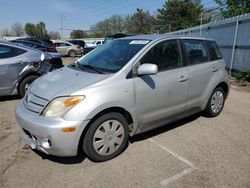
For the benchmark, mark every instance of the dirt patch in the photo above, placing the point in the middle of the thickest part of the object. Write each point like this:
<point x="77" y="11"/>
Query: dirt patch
<point x="3" y="137"/>
<point x="239" y="85"/>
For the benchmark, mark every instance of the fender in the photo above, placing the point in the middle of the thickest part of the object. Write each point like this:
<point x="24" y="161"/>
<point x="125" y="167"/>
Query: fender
<point x="33" y="69"/>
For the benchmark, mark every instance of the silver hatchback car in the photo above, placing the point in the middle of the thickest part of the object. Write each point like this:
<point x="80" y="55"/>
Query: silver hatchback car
<point x="125" y="87"/>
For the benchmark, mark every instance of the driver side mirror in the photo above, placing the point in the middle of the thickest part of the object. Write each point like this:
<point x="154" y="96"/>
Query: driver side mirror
<point x="147" y="69"/>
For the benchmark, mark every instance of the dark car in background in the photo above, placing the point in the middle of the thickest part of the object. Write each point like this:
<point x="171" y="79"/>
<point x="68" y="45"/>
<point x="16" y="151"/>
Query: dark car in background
<point x="19" y="67"/>
<point x="56" y="60"/>
<point x="45" y="42"/>
<point x="115" y="36"/>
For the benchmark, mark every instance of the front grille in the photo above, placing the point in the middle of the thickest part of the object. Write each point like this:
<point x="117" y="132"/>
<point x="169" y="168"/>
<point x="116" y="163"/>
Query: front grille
<point x="34" y="103"/>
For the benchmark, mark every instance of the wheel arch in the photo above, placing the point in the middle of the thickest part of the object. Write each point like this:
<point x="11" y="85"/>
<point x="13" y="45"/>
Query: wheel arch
<point x="120" y="110"/>
<point x="222" y="84"/>
<point x="25" y="75"/>
<point x="225" y="87"/>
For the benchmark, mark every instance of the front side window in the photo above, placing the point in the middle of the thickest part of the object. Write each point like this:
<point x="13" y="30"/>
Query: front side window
<point x="165" y="55"/>
<point x="112" y="56"/>
<point x="196" y="51"/>
<point x="8" y="51"/>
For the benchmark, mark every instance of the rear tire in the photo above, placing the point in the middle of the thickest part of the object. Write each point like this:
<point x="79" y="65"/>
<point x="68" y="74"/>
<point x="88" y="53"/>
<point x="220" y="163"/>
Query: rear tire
<point x="25" y="84"/>
<point x="72" y="53"/>
<point x="215" y="103"/>
<point x="106" y="137"/>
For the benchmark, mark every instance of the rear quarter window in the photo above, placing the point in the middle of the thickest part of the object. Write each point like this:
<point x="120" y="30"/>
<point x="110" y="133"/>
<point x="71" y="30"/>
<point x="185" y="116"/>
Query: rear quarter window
<point x="8" y="51"/>
<point x="214" y="51"/>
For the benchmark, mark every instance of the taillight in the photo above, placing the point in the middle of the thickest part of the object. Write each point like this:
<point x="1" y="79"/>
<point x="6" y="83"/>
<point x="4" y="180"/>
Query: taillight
<point x="78" y="46"/>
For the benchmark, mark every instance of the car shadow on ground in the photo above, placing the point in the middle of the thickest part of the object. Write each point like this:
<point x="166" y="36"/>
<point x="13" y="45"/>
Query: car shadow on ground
<point x="164" y="128"/>
<point x="62" y="160"/>
<point x="9" y="98"/>
<point x="141" y="137"/>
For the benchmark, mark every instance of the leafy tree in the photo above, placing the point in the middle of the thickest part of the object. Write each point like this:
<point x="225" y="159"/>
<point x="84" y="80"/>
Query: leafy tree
<point x="179" y="14"/>
<point x="36" y="30"/>
<point x="77" y="34"/>
<point x="54" y="35"/>
<point x="30" y="29"/>
<point x="17" y="29"/>
<point x="141" y="22"/>
<point x="112" y="25"/>
<point x="231" y="8"/>
<point x="41" y="31"/>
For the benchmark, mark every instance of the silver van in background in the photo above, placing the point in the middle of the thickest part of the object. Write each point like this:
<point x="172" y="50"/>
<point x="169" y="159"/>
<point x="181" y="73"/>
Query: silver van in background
<point x="125" y="87"/>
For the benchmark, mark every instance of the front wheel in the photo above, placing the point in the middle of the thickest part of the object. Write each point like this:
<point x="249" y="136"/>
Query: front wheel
<point x="215" y="103"/>
<point x="106" y="137"/>
<point x="24" y="85"/>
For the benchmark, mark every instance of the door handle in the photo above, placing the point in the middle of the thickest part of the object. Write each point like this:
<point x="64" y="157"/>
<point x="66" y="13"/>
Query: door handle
<point x="183" y="78"/>
<point x="214" y="69"/>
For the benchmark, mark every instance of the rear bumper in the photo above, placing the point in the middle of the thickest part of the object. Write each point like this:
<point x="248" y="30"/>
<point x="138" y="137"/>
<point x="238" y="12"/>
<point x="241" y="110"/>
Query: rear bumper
<point x="45" y="134"/>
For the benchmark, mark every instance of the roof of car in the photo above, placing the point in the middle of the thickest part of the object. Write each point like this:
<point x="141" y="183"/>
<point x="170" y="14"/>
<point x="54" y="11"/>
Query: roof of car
<point x="156" y="37"/>
<point x="17" y="46"/>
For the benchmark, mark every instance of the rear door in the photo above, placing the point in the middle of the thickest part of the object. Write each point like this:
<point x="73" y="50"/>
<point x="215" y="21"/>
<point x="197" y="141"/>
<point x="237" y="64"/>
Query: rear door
<point x="201" y="70"/>
<point x="11" y="63"/>
<point x="162" y="95"/>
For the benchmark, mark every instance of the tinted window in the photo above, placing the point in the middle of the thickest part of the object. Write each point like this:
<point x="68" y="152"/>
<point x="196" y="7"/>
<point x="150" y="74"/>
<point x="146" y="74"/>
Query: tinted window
<point x="196" y="51"/>
<point x="213" y="50"/>
<point x="8" y="51"/>
<point x="62" y="44"/>
<point x="165" y="55"/>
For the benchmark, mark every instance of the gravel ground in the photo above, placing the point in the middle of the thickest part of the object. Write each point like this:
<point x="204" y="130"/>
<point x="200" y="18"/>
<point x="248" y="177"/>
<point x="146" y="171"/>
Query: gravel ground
<point x="194" y="152"/>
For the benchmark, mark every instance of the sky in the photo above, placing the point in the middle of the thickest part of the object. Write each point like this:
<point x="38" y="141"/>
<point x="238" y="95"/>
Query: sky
<point x="75" y="14"/>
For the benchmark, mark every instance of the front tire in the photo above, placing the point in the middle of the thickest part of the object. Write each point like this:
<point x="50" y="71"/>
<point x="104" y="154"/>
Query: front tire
<point x="25" y="84"/>
<point x="215" y="103"/>
<point x="106" y="137"/>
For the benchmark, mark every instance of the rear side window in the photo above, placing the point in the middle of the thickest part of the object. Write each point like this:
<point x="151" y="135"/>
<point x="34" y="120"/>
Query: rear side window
<point x="196" y="51"/>
<point x="214" y="51"/>
<point x="8" y="51"/>
<point x="165" y="55"/>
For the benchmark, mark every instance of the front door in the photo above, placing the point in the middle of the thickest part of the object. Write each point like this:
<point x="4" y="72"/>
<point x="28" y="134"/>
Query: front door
<point x="164" y="95"/>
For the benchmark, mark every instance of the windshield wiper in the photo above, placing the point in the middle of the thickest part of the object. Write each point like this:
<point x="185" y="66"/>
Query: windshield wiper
<point x="89" y="67"/>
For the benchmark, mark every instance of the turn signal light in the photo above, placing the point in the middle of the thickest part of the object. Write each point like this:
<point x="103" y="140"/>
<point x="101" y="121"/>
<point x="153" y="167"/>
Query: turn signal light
<point x="72" y="101"/>
<point x="68" y="129"/>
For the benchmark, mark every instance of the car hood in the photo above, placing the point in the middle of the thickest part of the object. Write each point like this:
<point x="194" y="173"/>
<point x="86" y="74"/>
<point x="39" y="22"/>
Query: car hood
<point x="63" y="82"/>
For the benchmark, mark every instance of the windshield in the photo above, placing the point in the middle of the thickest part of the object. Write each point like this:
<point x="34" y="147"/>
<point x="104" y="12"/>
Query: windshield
<point x="113" y="55"/>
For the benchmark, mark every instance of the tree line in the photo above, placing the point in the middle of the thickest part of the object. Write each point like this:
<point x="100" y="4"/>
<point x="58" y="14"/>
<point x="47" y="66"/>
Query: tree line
<point x="173" y="15"/>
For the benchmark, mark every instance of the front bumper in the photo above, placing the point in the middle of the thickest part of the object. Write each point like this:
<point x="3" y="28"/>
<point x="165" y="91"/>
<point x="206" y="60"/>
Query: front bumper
<point x="44" y="134"/>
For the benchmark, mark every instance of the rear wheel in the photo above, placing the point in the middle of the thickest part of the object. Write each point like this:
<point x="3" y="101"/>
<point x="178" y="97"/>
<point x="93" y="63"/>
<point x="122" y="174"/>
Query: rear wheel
<point x="215" y="103"/>
<point x="72" y="53"/>
<point x="24" y="85"/>
<point x="106" y="137"/>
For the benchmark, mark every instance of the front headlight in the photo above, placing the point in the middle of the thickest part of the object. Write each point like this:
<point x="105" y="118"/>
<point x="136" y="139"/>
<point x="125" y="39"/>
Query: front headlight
<point x="59" y="106"/>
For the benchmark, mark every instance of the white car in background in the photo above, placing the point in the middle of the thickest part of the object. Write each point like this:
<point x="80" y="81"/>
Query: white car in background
<point x="68" y="49"/>
<point x="94" y="44"/>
